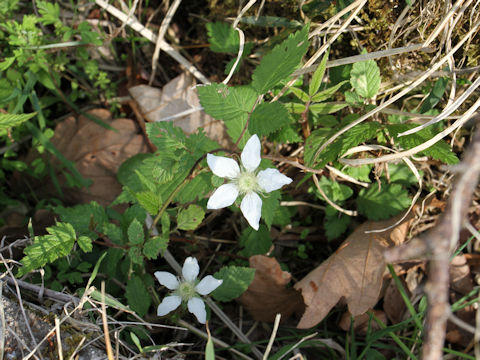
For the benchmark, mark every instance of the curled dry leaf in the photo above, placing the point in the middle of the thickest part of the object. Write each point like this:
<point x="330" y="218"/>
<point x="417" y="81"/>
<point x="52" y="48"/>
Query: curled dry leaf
<point x="460" y="277"/>
<point x="354" y="272"/>
<point x="393" y="303"/>
<point x="177" y="97"/>
<point x="97" y="153"/>
<point x="268" y="295"/>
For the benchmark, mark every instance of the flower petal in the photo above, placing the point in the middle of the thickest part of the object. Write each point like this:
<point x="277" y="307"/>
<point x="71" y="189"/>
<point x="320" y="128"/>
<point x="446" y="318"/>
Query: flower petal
<point x="190" y="269"/>
<point x="167" y="279"/>
<point x="222" y="166"/>
<point x="272" y="179"/>
<point x="251" y="207"/>
<point x="168" y="304"/>
<point x="224" y="196"/>
<point x="197" y="307"/>
<point x="207" y="285"/>
<point x="251" y="153"/>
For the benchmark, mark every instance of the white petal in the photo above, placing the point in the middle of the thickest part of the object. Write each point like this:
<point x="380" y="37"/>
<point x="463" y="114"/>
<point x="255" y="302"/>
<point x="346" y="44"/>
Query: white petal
<point x="166" y="279"/>
<point x="222" y="166"/>
<point x="197" y="307"/>
<point x="272" y="179"/>
<point x="207" y="285"/>
<point x="168" y="304"/>
<point x="251" y="153"/>
<point x="190" y="269"/>
<point x="251" y="207"/>
<point x="224" y="196"/>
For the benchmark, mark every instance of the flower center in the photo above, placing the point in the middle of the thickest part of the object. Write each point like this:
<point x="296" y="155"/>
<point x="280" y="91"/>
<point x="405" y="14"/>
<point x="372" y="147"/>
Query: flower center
<point x="246" y="182"/>
<point x="186" y="290"/>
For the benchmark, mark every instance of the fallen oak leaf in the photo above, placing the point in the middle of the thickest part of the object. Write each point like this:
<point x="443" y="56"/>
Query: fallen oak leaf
<point x="354" y="272"/>
<point x="268" y="295"/>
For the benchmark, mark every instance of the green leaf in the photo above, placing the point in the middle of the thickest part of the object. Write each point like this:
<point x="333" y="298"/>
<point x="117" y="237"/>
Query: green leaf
<point x="190" y="218"/>
<point x="334" y="191"/>
<point x="270" y="204"/>
<point x="401" y="173"/>
<point x="439" y="151"/>
<point x="327" y="93"/>
<point x="435" y="95"/>
<point x="135" y="233"/>
<point x="86" y="219"/>
<point x="235" y="130"/>
<point x="7" y="121"/>
<point x="150" y="201"/>
<point x="383" y="204"/>
<point x="287" y="134"/>
<point x="155" y="246"/>
<point x="236" y="280"/>
<point x="267" y="118"/>
<point x="227" y="103"/>
<point x="281" y="61"/>
<point x="365" y="78"/>
<point x="255" y="242"/>
<point x="165" y="136"/>
<point x="361" y="173"/>
<point x="137" y="295"/>
<point x="85" y="243"/>
<point x="223" y="38"/>
<point x="336" y="223"/>
<point x="195" y="189"/>
<point x="135" y="255"/>
<point x="48" y="248"/>
<point x="326" y="108"/>
<point x="318" y="76"/>
<point x="209" y="349"/>
<point x="302" y="95"/>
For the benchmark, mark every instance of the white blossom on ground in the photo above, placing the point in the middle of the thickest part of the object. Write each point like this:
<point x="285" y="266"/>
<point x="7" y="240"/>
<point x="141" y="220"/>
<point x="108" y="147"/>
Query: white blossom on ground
<point x="186" y="289"/>
<point x="244" y="181"/>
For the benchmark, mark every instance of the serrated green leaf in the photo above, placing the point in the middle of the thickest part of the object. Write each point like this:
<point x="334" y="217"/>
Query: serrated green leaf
<point x="135" y="233"/>
<point x="334" y="191"/>
<point x="287" y="134"/>
<point x="327" y="93"/>
<point x="361" y="173"/>
<point x="227" y="103"/>
<point x="235" y="130"/>
<point x="7" y="121"/>
<point x="223" y="38"/>
<point x="129" y="166"/>
<point x="86" y="219"/>
<point x="135" y="255"/>
<point x="383" y="204"/>
<point x="155" y="246"/>
<point x="401" y="173"/>
<point x="281" y="61"/>
<point x="318" y="76"/>
<point x="150" y="201"/>
<point x="255" y="242"/>
<point x="190" y="218"/>
<point x="365" y="78"/>
<point x="48" y="248"/>
<point x="165" y="136"/>
<point x="137" y="295"/>
<point x="195" y="189"/>
<point x="270" y="204"/>
<point x="267" y="118"/>
<point x="299" y="93"/>
<point x="439" y="151"/>
<point x="336" y="224"/>
<point x="326" y="108"/>
<point x="85" y="243"/>
<point x="236" y="280"/>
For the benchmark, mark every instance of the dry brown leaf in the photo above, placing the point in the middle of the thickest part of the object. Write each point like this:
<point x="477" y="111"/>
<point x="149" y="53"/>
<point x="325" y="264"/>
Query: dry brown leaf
<point x="97" y="153"/>
<point x="460" y="277"/>
<point x="354" y="272"/>
<point x="393" y="303"/>
<point x="268" y="295"/>
<point x="178" y="96"/>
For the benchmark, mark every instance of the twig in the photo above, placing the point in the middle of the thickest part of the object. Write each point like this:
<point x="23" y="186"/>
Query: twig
<point x="108" y="344"/>
<point x="59" y="339"/>
<point x="438" y="244"/>
<point x="272" y="337"/>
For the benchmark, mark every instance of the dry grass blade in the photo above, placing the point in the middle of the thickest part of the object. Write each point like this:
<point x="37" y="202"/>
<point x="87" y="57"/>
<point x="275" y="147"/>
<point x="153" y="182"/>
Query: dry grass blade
<point x="106" y="332"/>
<point x="146" y="33"/>
<point x="330" y="202"/>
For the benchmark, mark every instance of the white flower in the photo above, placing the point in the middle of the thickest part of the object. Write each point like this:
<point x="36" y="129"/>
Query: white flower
<point x="186" y="290"/>
<point x="244" y="181"/>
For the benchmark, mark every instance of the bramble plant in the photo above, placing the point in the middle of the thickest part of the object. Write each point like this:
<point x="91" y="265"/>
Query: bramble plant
<point x="174" y="193"/>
